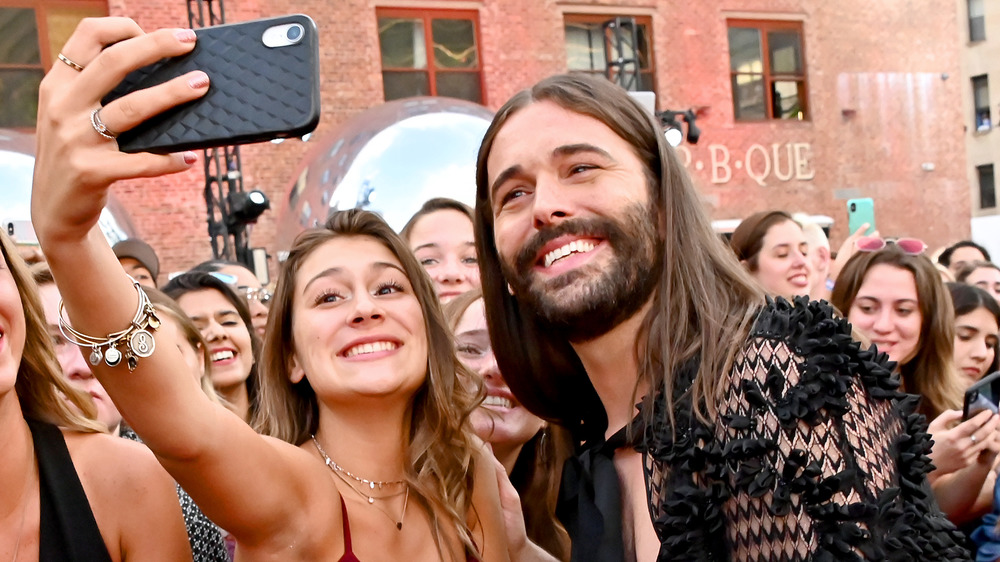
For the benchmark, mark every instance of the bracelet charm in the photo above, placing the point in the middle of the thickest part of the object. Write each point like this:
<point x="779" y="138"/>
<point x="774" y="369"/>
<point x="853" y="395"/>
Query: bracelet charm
<point x="136" y="341"/>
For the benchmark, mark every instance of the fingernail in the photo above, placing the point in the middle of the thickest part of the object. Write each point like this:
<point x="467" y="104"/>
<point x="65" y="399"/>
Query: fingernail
<point x="190" y="157"/>
<point x="185" y="35"/>
<point x="198" y="80"/>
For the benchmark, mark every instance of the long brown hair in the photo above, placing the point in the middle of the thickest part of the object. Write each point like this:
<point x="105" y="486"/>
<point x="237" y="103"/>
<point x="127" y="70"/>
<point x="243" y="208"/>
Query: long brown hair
<point x="931" y="373"/>
<point x="42" y="392"/>
<point x="703" y="305"/>
<point x="441" y="444"/>
<point x="748" y="239"/>
<point x="538" y="468"/>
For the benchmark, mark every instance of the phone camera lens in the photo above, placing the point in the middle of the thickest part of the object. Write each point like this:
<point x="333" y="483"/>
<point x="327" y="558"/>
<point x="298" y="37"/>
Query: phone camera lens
<point x="294" y="33"/>
<point x="853" y="207"/>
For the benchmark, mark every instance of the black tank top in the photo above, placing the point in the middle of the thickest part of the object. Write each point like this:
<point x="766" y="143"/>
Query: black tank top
<point x="67" y="531"/>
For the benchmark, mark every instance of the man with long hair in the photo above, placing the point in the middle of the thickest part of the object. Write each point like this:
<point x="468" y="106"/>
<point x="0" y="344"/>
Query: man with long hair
<point x="762" y="432"/>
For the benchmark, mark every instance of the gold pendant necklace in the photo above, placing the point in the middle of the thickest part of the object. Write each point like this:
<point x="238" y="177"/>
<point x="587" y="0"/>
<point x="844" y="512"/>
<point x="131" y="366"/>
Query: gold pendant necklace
<point x="370" y="485"/>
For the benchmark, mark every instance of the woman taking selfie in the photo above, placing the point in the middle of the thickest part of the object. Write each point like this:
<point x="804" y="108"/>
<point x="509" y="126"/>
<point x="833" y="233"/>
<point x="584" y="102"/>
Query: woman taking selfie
<point x="68" y="491"/>
<point x="893" y="295"/>
<point x="373" y="459"/>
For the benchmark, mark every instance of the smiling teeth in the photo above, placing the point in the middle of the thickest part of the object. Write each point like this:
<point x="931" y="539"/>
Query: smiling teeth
<point x="577" y="246"/>
<point x="370" y="348"/>
<point x="222" y="355"/>
<point x="497" y="401"/>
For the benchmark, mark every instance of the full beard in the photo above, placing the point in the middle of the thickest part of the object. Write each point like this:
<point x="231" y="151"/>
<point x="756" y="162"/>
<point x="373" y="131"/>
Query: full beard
<point x="588" y="302"/>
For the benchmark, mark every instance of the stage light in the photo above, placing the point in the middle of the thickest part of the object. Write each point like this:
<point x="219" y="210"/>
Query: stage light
<point x="246" y="206"/>
<point x="673" y="129"/>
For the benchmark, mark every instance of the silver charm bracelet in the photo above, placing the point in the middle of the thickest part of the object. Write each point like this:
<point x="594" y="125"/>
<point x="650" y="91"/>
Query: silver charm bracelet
<point x="136" y="338"/>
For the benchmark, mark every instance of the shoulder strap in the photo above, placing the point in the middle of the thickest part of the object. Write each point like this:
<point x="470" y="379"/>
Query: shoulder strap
<point x="67" y="528"/>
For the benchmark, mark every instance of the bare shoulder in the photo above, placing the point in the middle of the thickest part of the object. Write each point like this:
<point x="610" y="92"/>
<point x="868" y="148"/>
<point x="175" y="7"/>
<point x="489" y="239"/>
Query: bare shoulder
<point x="133" y="499"/>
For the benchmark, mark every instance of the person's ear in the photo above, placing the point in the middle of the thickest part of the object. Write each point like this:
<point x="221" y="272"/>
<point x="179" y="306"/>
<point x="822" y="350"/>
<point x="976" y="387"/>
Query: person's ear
<point x="296" y="373"/>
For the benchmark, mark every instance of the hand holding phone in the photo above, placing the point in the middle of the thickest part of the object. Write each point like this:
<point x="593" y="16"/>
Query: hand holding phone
<point x="264" y="84"/>
<point x="983" y="395"/>
<point x="860" y="212"/>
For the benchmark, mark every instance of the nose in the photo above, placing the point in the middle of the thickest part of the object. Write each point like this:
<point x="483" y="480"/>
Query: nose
<point x="883" y="322"/>
<point x="75" y="367"/>
<point x="550" y="203"/>
<point x="450" y="271"/>
<point x="489" y="369"/>
<point x="366" y="309"/>
<point x="213" y="331"/>
<point x="980" y="350"/>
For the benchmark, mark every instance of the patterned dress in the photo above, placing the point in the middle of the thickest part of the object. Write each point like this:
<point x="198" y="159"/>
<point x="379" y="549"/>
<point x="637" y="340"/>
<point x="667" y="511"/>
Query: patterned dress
<point x="814" y="455"/>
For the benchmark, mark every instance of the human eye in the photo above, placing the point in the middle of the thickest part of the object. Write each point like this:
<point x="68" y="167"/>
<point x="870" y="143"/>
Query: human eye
<point x="963" y="335"/>
<point x="904" y="310"/>
<point x="581" y="168"/>
<point x="991" y="342"/>
<point x="470" y="349"/>
<point x="512" y="194"/>
<point x="388" y="288"/>
<point x="428" y="262"/>
<point x="470" y="260"/>
<point x="328" y="296"/>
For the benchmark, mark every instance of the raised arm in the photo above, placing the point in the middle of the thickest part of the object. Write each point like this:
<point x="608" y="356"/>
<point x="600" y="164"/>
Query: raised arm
<point x="249" y="485"/>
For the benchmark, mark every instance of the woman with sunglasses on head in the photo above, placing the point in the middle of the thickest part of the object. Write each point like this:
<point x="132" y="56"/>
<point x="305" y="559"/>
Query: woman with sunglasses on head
<point x="774" y="249"/>
<point x="68" y="491"/>
<point x="247" y="285"/>
<point x="892" y="294"/>
<point x="530" y="451"/>
<point x="366" y="450"/>
<point x="223" y="318"/>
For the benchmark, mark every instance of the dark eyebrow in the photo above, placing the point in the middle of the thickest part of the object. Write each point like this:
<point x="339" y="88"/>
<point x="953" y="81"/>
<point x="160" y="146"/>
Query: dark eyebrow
<point x="503" y="177"/>
<point x="571" y="149"/>
<point x="565" y="150"/>
<point x="379" y="265"/>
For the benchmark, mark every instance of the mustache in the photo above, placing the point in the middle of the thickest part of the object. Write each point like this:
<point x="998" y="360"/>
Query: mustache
<point x="526" y="258"/>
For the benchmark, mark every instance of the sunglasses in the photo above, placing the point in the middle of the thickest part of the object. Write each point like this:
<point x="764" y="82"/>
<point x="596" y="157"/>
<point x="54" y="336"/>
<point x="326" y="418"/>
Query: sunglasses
<point x="910" y="246"/>
<point x="261" y="294"/>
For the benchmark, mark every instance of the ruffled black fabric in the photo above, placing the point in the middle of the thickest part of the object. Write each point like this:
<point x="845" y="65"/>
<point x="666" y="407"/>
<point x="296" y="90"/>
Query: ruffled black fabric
<point x="815" y="455"/>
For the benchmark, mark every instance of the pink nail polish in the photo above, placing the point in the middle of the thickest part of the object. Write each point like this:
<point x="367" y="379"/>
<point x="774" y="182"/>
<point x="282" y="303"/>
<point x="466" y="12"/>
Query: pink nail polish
<point x="185" y="35"/>
<point x="198" y="81"/>
<point x="190" y="157"/>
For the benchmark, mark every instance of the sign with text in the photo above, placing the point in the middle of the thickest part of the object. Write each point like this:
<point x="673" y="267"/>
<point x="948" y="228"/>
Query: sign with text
<point x="779" y="162"/>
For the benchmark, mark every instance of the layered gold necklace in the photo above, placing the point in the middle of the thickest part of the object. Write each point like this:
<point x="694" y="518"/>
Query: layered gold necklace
<point x="367" y="486"/>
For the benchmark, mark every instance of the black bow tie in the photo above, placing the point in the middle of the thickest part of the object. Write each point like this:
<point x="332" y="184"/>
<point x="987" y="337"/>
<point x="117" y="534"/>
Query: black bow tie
<point x="590" y="504"/>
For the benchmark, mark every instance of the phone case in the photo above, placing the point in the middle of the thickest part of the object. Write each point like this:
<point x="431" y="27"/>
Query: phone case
<point x="257" y="92"/>
<point x="859" y="212"/>
<point x="983" y="395"/>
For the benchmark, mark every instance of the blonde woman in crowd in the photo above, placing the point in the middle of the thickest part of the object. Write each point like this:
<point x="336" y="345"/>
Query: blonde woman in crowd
<point x="68" y="490"/>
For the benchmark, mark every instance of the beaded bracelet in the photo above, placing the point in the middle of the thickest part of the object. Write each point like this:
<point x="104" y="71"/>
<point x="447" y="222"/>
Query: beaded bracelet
<point x="136" y="338"/>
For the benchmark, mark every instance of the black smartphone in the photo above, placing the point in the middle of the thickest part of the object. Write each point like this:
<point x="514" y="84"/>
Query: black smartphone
<point x="264" y="85"/>
<point x="983" y="395"/>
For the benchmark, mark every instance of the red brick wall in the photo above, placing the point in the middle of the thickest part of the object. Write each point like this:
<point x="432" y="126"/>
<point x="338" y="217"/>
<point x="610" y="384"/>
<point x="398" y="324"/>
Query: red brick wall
<point x="879" y="106"/>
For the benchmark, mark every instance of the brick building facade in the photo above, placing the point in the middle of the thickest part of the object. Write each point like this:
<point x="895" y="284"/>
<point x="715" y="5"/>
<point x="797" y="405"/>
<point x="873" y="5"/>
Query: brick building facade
<point x="846" y="99"/>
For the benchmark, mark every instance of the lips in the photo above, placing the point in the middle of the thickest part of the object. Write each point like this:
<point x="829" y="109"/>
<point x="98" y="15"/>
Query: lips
<point x="568" y="249"/>
<point x="369" y="346"/>
<point x="223" y="355"/>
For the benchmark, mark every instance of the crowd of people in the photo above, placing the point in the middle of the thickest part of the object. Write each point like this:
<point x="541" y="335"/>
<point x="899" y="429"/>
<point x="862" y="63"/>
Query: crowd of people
<point x="578" y="368"/>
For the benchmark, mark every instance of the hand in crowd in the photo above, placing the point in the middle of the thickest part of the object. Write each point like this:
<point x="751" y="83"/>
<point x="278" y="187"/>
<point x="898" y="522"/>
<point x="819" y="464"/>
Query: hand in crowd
<point x="974" y="440"/>
<point x="848" y="249"/>
<point x="75" y="163"/>
<point x="520" y="547"/>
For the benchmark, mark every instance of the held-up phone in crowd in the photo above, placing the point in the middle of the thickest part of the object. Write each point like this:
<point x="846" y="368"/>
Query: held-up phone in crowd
<point x="264" y="84"/>
<point x="20" y="231"/>
<point x="859" y="212"/>
<point x="983" y="395"/>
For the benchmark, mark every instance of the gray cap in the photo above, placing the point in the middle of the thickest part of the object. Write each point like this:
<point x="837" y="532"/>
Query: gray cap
<point x="139" y="251"/>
